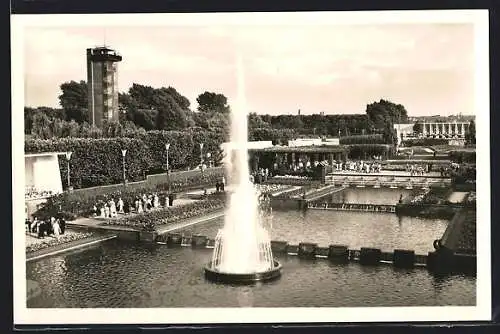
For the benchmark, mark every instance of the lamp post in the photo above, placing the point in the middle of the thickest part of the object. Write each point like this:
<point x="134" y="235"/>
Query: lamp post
<point x="167" y="147"/>
<point x="68" y="158"/>
<point x="209" y="160"/>
<point x="124" y="152"/>
<point x="201" y="157"/>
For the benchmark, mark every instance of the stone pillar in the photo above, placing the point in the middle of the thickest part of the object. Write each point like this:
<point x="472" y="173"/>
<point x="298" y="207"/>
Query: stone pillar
<point x="424" y="129"/>
<point x="293" y="158"/>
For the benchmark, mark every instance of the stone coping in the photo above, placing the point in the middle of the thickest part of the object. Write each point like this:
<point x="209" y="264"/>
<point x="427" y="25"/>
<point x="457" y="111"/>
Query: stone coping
<point x="66" y="246"/>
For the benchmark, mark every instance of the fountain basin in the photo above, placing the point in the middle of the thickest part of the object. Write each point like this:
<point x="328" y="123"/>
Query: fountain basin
<point x="242" y="278"/>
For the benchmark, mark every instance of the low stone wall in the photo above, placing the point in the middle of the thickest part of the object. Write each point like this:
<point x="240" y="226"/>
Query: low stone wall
<point x="399" y="258"/>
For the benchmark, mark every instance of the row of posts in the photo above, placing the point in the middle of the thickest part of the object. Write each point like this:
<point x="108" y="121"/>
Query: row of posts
<point x="337" y="253"/>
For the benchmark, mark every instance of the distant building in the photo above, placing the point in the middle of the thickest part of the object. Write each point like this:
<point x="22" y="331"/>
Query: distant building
<point x="453" y="130"/>
<point x="102" y="82"/>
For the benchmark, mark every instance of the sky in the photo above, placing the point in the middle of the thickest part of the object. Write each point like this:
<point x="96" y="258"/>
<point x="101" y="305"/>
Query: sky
<point x="335" y="69"/>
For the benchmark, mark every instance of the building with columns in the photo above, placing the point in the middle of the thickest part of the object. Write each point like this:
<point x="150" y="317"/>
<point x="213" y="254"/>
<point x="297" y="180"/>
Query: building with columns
<point x="454" y="130"/>
<point x="445" y="129"/>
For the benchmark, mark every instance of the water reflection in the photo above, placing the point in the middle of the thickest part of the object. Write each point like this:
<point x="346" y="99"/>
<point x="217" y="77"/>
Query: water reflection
<point x="122" y="275"/>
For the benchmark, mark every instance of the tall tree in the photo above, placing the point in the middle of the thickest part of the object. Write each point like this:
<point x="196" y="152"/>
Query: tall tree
<point x="209" y="102"/>
<point x="74" y="100"/>
<point x="386" y="111"/>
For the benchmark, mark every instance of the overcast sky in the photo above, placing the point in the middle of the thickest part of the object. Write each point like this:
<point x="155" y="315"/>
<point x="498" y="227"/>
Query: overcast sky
<point x="429" y="68"/>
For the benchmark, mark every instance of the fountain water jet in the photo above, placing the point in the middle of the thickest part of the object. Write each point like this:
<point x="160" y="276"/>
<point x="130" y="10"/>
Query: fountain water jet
<point x="242" y="252"/>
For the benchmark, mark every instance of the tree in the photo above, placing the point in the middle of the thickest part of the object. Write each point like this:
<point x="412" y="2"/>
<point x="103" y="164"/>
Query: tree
<point x="470" y="135"/>
<point x="417" y="127"/>
<point x="256" y="121"/>
<point x="209" y="102"/>
<point x="74" y="100"/>
<point x="41" y="126"/>
<point x="170" y="115"/>
<point x="386" y="111"/>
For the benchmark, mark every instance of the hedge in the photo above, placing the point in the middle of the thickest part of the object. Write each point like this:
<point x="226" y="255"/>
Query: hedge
<point x="362" y="139"/>
<point x="96" y="161"/>
<point x="425" y="142"/>
<point x="364" y="151"/>
<point x="184" y="150"/>
<point x="460" y="156"/>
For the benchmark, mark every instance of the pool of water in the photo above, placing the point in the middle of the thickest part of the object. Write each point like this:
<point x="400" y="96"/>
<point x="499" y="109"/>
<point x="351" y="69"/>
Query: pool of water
<point x="117" y="273"/>
<point x="122" y="274"/>
<point x="354" y="229"/>
<point x="367" y="195"/>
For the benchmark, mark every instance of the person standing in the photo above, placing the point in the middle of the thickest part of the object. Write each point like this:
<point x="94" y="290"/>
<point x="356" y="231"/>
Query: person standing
<point x="62" y="225"/>
<point x="56" y="228"/>
<point x="112" y="208"/>
<point x="120" y="205"/>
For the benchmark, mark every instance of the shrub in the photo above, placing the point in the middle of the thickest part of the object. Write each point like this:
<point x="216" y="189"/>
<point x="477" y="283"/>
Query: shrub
<point x="80" y="203"/>
<point x="362" y="139"/>
<point x="462" y="156"/>
<point x="425" y="141"/>
<point x="364" y="151"/>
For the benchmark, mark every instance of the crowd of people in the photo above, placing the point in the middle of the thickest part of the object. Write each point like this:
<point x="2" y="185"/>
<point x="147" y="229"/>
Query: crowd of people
<point x="46" y="227"/>
<point x="260" y="175"/>
<point x="144" y="203"/>
<point x="33" y="193"/>
<point x="417" y="170"/>
<point x="358" y="166"/>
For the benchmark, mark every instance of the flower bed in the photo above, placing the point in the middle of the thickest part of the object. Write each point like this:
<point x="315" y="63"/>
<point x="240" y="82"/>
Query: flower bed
<point x="55" y="241"/>
<point x="80" y="203"/>
<point x="292" y="180"/>
<point x="268" y="188"/>
<point x="148" y="221"/>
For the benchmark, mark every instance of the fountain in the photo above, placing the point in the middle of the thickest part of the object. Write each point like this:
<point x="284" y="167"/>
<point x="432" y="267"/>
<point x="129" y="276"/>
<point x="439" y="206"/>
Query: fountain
<point x="242" y="251"/>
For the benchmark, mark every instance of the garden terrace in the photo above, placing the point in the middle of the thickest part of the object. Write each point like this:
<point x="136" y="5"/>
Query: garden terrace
<point x="80" y="203"/>
<point x="149" y="221"/>
<point x="34" y="244"/>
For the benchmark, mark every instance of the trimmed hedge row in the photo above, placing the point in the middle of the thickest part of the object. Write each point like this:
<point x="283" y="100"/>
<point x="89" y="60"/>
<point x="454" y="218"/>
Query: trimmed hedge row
<point x="97" y="162"/>
<point x="362" y="139"/>
<point x="364" y="151"/>
<point x="425" y="142"/>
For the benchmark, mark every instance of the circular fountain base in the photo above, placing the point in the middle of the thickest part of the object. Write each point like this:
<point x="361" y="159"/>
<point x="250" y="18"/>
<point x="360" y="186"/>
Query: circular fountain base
<point x="235" y="278"/>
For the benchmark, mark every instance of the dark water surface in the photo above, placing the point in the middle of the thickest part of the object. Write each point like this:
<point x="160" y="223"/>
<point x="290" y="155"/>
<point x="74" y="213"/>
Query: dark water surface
<point x="367" y="195"/>
<point x="354" y="229"/>
<point x="124" y="274"/>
